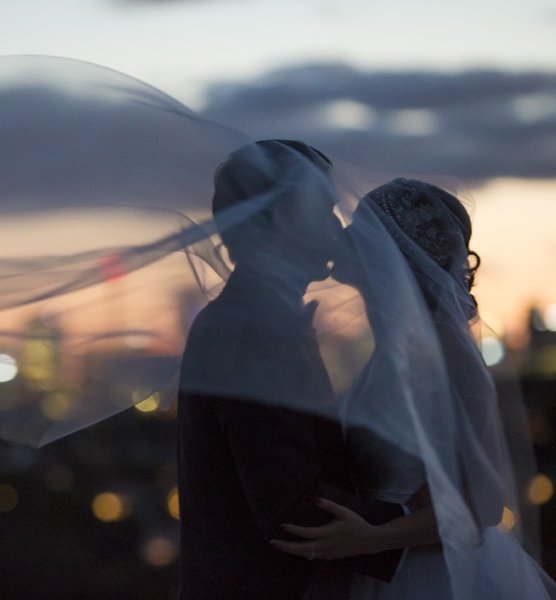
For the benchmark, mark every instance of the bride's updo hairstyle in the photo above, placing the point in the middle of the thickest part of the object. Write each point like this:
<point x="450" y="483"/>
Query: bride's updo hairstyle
<point x="253" y="175"/>
<point x="433" y="219"/>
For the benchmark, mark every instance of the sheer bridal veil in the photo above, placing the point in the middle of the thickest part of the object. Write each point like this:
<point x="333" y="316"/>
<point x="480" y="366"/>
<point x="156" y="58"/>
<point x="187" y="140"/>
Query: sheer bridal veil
<point x="109" y="249"/>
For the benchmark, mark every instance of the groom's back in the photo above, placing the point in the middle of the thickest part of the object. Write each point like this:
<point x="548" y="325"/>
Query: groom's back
<point x="242" y="463"/>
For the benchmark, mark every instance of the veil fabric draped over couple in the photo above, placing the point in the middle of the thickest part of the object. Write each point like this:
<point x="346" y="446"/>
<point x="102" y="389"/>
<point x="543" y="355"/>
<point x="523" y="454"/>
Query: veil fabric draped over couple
<point x="363" y="388"/>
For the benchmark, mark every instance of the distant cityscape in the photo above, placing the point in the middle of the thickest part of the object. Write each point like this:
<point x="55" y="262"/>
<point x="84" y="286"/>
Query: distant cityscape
<point x="94" y="515"/>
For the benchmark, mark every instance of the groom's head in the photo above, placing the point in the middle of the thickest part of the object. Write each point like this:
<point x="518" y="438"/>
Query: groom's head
<point x="275" y="197"/>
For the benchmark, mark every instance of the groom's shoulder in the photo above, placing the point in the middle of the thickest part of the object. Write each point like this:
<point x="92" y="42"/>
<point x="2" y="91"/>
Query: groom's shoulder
<point x="225" y="335"/>
<point x="230" y="318"/>
<point x="221" y="320"/>
<point x="230" y="348"/>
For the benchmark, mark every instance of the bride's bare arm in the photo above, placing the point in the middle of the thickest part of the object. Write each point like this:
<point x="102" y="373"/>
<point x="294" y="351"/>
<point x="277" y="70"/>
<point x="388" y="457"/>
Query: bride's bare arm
<point x="348" y="534"/>
<point x="419" y="528"/>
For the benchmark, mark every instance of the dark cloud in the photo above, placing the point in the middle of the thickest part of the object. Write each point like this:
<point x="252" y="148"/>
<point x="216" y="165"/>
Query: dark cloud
<point x="471" y="124"/>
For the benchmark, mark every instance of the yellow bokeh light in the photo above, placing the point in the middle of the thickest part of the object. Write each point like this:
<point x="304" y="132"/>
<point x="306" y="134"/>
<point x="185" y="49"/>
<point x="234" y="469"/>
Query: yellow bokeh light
<point x="159" y="551"/>
<point x="149" y="404"/>
<point x="110" y="507"/>
<point x="545" y="362"/>
<point x="55" y="406"/>
<point x="173" y="503"/>
<point x="541" y="489"/>
<point x="39" y="367"/>
<point x="8" y="498"/>
<point x="508" y="520"/>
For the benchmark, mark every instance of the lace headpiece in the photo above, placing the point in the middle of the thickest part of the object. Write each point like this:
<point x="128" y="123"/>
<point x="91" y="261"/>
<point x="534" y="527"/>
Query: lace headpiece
<point x="428" y="215"/>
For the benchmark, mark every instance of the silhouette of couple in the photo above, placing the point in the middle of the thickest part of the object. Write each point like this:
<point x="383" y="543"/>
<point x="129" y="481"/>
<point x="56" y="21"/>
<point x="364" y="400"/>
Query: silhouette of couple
<point x="396" y="490"/>
<point x="252" y="453"/>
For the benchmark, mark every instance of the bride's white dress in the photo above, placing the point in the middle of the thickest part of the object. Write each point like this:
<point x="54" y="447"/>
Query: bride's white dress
<point x="423" y="574"/>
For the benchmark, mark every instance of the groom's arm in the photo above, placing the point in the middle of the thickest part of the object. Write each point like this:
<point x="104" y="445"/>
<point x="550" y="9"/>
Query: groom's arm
<point x="277" y="460"/>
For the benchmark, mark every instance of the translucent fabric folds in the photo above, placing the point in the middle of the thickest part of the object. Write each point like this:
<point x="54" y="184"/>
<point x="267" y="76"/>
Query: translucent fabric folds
<point x="427" y="394"/>
<point x="123" y="213"/>
<point x="104" y="182"/>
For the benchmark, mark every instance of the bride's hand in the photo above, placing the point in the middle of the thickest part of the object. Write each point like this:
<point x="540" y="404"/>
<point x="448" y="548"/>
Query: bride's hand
<point x="348" y="534"/>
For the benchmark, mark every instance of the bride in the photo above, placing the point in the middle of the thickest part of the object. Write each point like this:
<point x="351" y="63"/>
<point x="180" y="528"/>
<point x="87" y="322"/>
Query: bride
<point x="424" y="408"/>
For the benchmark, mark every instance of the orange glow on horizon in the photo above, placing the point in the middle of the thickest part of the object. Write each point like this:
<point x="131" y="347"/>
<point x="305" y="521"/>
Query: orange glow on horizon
<point x="514" y="231"/>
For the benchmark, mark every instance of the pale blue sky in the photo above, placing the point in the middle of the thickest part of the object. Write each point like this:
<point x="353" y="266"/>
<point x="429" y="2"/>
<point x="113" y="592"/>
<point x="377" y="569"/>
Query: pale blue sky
<point x="179" y="46"/>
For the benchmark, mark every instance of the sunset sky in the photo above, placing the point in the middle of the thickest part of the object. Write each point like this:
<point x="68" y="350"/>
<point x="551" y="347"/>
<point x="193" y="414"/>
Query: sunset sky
<point x="482" y="110"/>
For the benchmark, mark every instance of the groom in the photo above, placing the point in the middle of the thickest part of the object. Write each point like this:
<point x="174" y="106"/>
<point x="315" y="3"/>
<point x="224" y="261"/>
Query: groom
<point x="249" y="456"/>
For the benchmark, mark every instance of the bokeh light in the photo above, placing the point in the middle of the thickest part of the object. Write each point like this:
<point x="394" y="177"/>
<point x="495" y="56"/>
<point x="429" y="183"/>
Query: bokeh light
<point x="508" y="520"/>
<point x="8" y="498"/>
<point x="173" y="504"/>
<point x="159" y="551"/>
<point x="148" y="405"/>
<point x="493" y="350"/>
<point x="39" y="365"/>
<point x="545" y="361"/>
<point x="111" y="507"/>
<point x="137" y="339"/>
<point x="541" y="489"/>
<point x="8" y="368"/>
<point x="549" y="317"/>
<point x="56" y="405"/>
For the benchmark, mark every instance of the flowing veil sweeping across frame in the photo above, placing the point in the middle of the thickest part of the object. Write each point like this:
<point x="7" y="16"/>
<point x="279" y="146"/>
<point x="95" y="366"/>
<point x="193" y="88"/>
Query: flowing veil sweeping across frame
<point x="109" y="249"/>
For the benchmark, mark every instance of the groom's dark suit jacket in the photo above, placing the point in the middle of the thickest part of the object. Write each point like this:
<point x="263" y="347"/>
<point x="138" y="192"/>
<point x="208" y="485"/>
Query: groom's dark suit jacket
<point x="247" y="465"/>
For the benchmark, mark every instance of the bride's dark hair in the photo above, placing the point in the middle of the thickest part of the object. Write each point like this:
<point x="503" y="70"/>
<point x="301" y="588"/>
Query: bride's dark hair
<point x="433" y="219"/>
